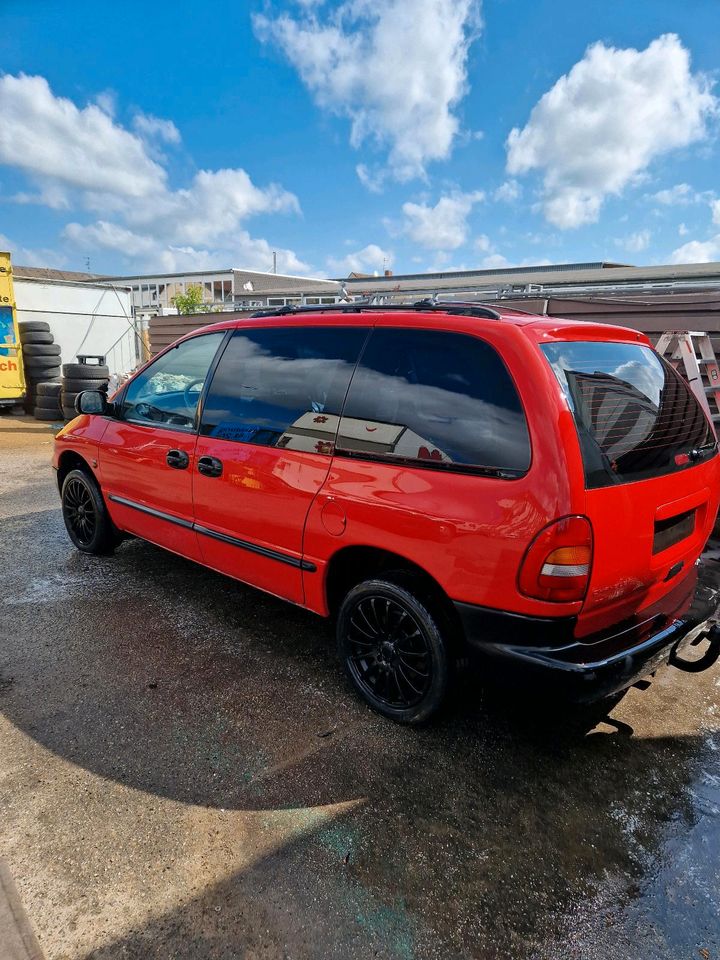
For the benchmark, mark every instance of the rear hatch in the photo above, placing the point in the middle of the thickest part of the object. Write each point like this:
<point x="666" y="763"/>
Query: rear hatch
<point x="651" y="474"/>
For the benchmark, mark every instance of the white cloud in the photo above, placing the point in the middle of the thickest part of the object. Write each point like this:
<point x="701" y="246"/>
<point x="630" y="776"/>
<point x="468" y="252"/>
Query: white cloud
<point x="444" y="226"/>
<point x="160" y="254"/>
<point x="397" y="70"/>
<point x="373" y="179"/>
<point x="680" y="194"/>
<point x="605" y="121"/>
<point x="83" y="159"/>
<point x="51" y="195"/>
<point x="156" y="128"/>
<point x="508" y="192"/>
<point x="31" y="257"/>
<point x="635" y="242"/>
<point x="203" y="220"/>
<point x="482" y="243"/>
<point x="494" y="260"/>
<point x="49" y="137"/>
<point x="210" y="208"/>
<point x="698" y="251"/>
<point x="683" y="230"/>
<point x="107" y="101"/>
<point x="715" y="207"/>
<point x="371" y="259"/>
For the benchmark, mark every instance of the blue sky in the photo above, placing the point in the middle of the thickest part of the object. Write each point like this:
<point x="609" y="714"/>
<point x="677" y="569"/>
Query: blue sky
<point x="413" y="134"/>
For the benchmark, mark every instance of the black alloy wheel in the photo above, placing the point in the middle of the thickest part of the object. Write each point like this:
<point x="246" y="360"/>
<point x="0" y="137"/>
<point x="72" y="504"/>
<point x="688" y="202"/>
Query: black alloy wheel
<point x="393" y="650"/>
<point x="86" y="518"/>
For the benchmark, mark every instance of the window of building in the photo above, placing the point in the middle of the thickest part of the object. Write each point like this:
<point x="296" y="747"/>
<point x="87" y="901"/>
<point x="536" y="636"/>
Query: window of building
<point x="436" y="399"/>
<point x="167" y="392"/>
<point x="282" y="387"/>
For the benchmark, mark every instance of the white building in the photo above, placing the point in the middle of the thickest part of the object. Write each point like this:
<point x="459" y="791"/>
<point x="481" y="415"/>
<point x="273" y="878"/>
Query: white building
<point x="230" y="289"/>
<point x="85" y="317"/>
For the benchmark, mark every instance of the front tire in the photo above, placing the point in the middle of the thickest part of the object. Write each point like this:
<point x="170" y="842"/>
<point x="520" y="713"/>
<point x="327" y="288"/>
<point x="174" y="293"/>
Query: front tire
<point x="394" y="648"/>
<point x="86" y="518"/>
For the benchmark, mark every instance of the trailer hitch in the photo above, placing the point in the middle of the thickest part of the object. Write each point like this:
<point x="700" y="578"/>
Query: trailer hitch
<point x="708" y="659"/>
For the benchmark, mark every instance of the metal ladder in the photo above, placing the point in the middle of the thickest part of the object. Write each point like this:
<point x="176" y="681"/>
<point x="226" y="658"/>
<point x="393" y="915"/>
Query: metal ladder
<point x="691" y="352"/>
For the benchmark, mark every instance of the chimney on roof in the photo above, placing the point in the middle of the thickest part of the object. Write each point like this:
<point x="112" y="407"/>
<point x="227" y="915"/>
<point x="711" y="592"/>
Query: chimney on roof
<point x="388" y="273"/>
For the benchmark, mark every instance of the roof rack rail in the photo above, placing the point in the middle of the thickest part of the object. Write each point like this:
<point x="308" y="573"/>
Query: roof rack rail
<point x="460" y="308"/>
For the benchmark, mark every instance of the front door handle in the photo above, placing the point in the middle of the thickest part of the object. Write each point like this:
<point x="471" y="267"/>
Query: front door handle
<point x="210" y="466"/>
<point x="177" y="459"/>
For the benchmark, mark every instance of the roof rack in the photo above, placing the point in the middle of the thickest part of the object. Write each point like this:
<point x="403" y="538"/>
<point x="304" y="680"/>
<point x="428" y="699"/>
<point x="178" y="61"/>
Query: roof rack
<point x="461" y="308"/>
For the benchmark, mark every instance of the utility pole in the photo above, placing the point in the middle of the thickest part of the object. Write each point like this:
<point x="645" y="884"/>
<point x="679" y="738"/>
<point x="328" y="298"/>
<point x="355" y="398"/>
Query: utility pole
<point x="274" y="261"/>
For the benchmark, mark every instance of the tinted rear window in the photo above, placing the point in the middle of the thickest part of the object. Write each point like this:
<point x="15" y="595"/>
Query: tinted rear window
<point x="436" y="399"/>
<point x="636" y="417"/>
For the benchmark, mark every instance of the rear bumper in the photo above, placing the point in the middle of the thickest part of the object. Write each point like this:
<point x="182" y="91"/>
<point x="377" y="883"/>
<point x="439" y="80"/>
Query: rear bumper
<point x="544" y="653"/>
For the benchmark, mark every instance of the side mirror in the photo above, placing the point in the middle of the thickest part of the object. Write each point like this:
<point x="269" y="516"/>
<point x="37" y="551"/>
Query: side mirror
<point x="93" y="402"/>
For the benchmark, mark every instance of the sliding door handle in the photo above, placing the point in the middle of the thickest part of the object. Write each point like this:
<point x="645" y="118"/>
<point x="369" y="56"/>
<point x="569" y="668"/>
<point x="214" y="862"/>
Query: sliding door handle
<point x="177" y="459"/>
<point x="210" y="466"/>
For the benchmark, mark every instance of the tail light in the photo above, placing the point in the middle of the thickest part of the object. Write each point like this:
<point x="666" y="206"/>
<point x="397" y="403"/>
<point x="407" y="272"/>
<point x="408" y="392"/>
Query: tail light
<point x="557" y="564"/>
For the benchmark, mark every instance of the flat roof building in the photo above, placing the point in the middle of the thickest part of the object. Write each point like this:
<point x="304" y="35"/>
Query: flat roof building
<point x="230" y="289"/>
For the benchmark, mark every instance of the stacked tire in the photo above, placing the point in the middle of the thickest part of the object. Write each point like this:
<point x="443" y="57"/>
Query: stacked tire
<point x="47" y="400"/>
<point x="41" y="358"/>
<point x="77" y="377"/>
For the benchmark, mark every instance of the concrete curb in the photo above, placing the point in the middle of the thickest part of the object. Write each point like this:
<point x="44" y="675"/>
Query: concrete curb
<point x="17" y="939"/>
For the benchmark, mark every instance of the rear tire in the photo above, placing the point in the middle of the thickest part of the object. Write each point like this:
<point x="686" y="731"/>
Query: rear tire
<point x="47" y="403"/>
<point x="86" y="518"/>
<point x="32" y="326"/>
<point x="51" y="416"/>
<point x="85" y="371"/>
<point x="41" y="350"/>
<point x="395" y="648"/>
<point x="40" y="364"/>
<point x="77" y="386"/>
<point x="36" y="336"/>
<point x="49" y="388"/>
<point x="42" y="375"/>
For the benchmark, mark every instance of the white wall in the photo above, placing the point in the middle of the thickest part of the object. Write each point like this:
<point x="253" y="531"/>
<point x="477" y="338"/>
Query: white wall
<point x="84" y="318"/>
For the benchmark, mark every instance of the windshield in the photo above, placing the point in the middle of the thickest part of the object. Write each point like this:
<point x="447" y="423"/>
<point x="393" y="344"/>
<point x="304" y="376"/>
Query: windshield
<point x="636" y="417"/>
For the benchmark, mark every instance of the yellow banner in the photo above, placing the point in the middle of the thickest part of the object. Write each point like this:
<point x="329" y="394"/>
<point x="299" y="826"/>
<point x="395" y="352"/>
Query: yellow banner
<point x="12" y="381"/>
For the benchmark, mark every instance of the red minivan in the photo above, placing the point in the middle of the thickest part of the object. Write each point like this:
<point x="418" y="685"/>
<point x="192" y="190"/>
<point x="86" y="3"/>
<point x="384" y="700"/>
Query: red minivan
<point x="438" y="477"/>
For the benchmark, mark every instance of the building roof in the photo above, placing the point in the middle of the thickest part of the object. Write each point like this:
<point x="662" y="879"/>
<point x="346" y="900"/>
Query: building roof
<point x="168" y="276"/>
<point x="260" y="279"/>
<point x="545" y="279"/>
<point x="47" y="273"/>
<point x="493" y="272"/>
<point x="280" y="285"/>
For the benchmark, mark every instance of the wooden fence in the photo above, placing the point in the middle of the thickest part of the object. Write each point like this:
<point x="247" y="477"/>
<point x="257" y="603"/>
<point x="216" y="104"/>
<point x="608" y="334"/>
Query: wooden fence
<point x="652" y="315"/>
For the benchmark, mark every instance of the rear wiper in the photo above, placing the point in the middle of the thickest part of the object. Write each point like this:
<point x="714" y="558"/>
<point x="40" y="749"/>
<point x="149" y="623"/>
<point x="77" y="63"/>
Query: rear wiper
<point x="697" y="452"/>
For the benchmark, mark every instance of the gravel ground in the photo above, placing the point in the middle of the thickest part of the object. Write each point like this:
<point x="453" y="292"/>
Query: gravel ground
<point x="184" y="773"/>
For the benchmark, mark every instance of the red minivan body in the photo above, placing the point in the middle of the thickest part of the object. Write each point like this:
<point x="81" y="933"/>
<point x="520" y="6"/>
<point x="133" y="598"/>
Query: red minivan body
<point x="570" y="552"/>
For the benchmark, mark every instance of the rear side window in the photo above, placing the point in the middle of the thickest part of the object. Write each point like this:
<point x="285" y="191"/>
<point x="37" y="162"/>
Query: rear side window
<point x="282" y="387"/>
<point x="636" y="417"/>
<point x="435" y="399"/>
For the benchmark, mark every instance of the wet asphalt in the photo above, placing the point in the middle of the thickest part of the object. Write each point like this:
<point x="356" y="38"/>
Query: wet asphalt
<point x="184" y="773"/>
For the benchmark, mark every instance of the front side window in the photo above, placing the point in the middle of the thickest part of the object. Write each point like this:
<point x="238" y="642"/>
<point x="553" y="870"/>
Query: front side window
<point x="167" y="392"/>
<point x="282" y="387"/>
<point x="636" y="417"/>
<point x="436" y="399"/>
